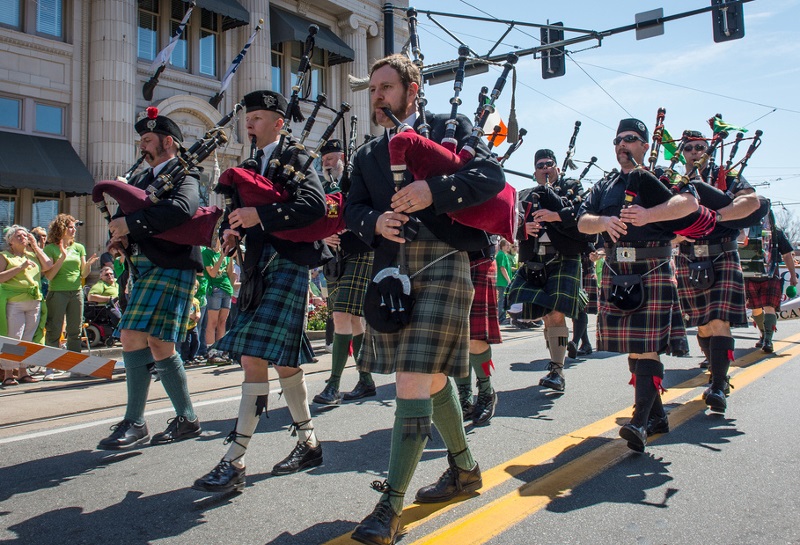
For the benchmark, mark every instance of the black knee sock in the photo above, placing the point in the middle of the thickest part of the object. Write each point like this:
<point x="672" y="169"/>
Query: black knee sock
<point x="703" y="342"/>
<point x="719" y="358"/>
<point x="648" y="379"/>
<point x="579" y="326"/>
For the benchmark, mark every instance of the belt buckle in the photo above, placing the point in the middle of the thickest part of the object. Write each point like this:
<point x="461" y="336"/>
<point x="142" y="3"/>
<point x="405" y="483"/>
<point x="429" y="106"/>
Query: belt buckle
<point x="626" y="255"/>
<point x="701" y="250"/>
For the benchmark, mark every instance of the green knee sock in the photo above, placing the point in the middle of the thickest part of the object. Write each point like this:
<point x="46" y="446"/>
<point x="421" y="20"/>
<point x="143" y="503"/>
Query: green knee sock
<point x="759" y="320"/>
<point x="482" y="364"/>
<point x="411" y="420"/>
<point x="173" y="377"/>
<point x="341" y="351"/>
<point x="770" y="321"/>
<point x="137" y="382"/>
<point x="448" y="419"/>
<point x="363" y="376"/>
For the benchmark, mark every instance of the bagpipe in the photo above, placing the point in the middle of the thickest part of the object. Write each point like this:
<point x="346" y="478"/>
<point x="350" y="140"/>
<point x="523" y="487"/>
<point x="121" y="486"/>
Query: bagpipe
<point x="414" y="152"/>
<point x="200" y="229"/>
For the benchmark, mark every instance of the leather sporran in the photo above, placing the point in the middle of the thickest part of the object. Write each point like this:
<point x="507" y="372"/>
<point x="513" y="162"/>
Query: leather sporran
<point x="701" y="275"/>
<point x="333" y="269"/>
<point x="627" y="292"/>
<point x="536" y="273"/>
<point x="254" y="284"/>
<point x="388" y="301"/>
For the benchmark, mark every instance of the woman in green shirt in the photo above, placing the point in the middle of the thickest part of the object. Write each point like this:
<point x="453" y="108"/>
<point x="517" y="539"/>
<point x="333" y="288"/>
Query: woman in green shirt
<point x="64" y="296"/>
<point x="20" y="294"/>
<point x="218" y="271"/>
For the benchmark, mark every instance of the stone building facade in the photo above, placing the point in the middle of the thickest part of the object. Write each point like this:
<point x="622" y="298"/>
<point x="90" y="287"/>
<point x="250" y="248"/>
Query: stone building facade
<point x="72" y="71"/>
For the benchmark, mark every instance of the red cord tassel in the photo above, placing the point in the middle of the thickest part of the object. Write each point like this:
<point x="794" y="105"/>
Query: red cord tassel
<point x="487" y="367"/>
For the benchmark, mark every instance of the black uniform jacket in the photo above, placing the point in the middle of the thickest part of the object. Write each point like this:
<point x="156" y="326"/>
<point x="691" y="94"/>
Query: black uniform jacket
<point x="175" y="208"/>
<point x="372" y="189"/>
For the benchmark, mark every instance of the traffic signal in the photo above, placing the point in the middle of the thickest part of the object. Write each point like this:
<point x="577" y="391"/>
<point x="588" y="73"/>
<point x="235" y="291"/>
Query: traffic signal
<point x="728" y="19"/>
<point x="553" y="60"/>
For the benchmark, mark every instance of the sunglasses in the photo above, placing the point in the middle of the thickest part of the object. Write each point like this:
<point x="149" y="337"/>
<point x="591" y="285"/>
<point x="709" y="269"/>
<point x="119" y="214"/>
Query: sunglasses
<point x="698" y="147"/>
<point x="628" y="138"/>
<point x="545" y="164"/>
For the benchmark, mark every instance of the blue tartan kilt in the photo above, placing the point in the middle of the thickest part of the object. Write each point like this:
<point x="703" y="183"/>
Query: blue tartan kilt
<point x="275" y="330"/>
<point x="725" y="300"/>
<point x="160" y="301"/>
<point x="562" y="290"/>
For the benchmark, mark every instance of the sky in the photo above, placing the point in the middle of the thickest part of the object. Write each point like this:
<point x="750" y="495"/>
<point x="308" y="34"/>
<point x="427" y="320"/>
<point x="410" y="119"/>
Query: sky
<point x="753" y="82"/>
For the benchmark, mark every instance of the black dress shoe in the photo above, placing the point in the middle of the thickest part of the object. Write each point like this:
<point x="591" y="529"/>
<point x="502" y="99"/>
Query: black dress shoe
<point x="303" y="456"/>
<point x="178" y="429"/>
<point x="704" y="364"/>
<point x="572" y="350"/>
<point x="380" y="527"/>
<point x="715" y="399"/>
<point x="635" y="436"/>
<point x="465" y="400"/>
<point x="554" y="379"/>
<point x="484" y="408"/>
<point x="585" y="350"/>
<point x="225" y="477"/>
<point x="125" y="435"/>
<point x="329" y="396"/>
<point x="767" y="348"/>
<point x="361" y="390"/>
<point x="760" y="342"/>
<point x="657" y="424"/>
<point x="453" y="482"/>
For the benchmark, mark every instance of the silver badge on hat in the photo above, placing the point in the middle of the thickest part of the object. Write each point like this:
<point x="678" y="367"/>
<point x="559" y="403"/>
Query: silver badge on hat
<point x="270" y="101"/>
<point x="641" y="126"/>
<point x="151" y="124"/>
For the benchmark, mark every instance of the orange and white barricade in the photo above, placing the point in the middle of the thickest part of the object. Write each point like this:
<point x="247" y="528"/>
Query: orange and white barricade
<point x="32" y="354"/>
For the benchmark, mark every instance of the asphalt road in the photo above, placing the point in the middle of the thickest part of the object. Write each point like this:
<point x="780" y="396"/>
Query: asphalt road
<point x="554" y="469"/>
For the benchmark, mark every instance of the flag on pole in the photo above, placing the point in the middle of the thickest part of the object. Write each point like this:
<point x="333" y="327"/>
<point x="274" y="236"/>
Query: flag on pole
<point x="718" y="125"/>
<point x="670" y="148"/>
<point x="161" y="60"/>
<point x="494" y="120"/>
<point x="226" y="79"/>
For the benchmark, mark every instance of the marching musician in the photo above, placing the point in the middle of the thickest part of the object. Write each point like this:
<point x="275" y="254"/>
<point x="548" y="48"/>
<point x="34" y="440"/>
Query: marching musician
<point x="548" y="283"/>
<point x="710" y="280"/>
<point x="346" y="297"/>
<point x="636" y="316"/>
<point x="270" y="328"/>
<point x="158" y="306"/>
<point x="434" y="345"/>
<point x="763" y="295"/>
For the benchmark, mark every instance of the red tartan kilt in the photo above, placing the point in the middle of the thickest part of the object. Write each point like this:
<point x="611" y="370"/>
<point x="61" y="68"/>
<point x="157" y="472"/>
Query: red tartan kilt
<point x="483" y="324"/>
<point x="763" y="293"/>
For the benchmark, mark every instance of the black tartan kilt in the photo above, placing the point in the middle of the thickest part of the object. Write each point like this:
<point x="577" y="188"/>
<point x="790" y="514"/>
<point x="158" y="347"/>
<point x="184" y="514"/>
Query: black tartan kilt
<point x="347" y="293"/>
<point x="589" y="285"/>
<point x="651" y="328"/>
<point x="725" y="300"/>
<point x="562" y="290"/>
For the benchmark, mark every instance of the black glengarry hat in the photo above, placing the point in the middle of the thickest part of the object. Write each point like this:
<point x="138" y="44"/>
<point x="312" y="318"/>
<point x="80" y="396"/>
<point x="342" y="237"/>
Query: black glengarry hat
<point x="265" y="100"/>
<point x="332" y="146"/>
<point x="159" y="124"/>
<point x="544" y="154"/>
<point x="633" y="124"/>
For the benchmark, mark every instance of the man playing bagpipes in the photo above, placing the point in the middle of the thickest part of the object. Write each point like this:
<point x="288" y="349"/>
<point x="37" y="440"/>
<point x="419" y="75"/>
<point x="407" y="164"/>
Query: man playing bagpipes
<point x="158" y="307"/>
<point x="548" y="281"/>
<point x="408" y="227"/>
<point x="347" y="282"/>
<point x="710" y="280"/>
<point x="270" y="327"/>
<point x="638" y="299"/>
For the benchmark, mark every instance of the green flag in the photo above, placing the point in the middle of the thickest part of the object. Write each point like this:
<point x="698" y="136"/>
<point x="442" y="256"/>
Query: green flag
<point x="669" y="147"/>
<point x="719" y="125"/>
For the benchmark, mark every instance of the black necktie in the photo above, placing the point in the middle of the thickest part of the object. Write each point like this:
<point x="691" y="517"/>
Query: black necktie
<point x="260" y="160"/>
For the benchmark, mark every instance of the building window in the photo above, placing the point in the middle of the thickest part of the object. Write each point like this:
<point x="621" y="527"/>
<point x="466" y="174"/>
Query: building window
<point x="314" y="84"/>
<point x="45" y="208"/>
<point x="10" y="109"/>
<point x="148" y="30"/>
<point x="10" y="13"/>
<point x="49" y="119"/>
<point x="180" y="55"/>
<point x="8" y="207"/>
<point x="49" y="18"/>
<point x="209" y="30"/>
<point x="277" y="68"/>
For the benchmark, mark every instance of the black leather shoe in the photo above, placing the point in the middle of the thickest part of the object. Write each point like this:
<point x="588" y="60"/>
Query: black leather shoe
<point x="657" y="424"/>
<point x="380" y="527"/>
<point x="465" y="400"/>
<point x="361" y="390"/>
<point x="178" y="429"/>
<point x="760" y="342"/>
<point x="453" y="482"/>
<point x="767" y="348"/>
<point x="704" y="364"/>
<point x="484" y="408"/>
<point x="554" y="379"/>
<point x="225" y="477"/>
<point x="585" y="350"/>
<point x="635" y="436"/>
<point x="329" y="396"/>
<point x="715" y="399"/>
<point x="303" y="456"/>
<point x="572" y="350"/>
<point x="125" y="435"/>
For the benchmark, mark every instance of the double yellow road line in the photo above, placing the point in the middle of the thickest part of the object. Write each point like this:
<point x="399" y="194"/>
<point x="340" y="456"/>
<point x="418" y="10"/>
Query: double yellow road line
<point x="490" y="520"/>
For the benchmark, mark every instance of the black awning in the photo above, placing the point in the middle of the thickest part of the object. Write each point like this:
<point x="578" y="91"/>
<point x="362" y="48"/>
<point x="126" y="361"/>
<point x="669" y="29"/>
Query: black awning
<point x="45" y="164"/>
<point x="288" y="27"/>
<point x="233" y="13"/>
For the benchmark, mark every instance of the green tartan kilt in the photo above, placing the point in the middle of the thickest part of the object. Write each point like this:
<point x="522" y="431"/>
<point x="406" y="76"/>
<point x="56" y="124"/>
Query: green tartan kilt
<point x="347" y="293"/>
<point x="160" y="301"/>
<point x="562" y="290"/>
<point x="437" y="339"/>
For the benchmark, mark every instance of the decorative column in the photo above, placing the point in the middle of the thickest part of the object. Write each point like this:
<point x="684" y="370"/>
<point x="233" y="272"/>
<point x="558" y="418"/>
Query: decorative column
<point x="255" y="72"/>
<point x="355" y="32"/>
